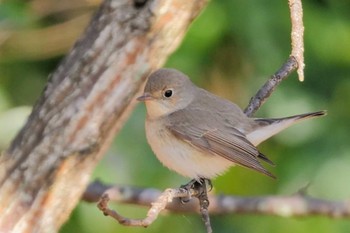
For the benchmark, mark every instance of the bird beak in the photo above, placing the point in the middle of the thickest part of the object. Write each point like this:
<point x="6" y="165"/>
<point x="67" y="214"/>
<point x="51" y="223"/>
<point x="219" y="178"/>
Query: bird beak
<point x="146" y="96"/>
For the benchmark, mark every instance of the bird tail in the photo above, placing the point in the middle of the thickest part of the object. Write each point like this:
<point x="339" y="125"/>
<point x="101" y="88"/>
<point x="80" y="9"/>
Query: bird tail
<point x="266" y="128"/>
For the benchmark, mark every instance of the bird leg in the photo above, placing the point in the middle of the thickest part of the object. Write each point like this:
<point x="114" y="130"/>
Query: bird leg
<point x="201" y="192"/>
<point x="204" y="204"/>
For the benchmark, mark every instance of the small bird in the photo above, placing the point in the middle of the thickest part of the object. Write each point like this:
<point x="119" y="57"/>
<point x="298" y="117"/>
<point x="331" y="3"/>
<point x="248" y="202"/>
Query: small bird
<point x="200" y="135"/>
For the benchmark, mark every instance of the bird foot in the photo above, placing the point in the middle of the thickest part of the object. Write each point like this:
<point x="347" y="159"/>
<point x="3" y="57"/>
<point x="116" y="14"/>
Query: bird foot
<point x="199" y="185"/>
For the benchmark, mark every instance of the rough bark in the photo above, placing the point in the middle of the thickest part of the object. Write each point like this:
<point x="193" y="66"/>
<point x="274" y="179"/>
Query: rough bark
<point x="84" y="104"/>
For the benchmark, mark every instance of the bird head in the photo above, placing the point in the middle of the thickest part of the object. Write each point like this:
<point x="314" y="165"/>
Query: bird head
<point x="166" y="91"/>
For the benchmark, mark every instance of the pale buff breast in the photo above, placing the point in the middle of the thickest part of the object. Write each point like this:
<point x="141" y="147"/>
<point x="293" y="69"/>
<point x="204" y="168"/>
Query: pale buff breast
<point x="182" y="157"/>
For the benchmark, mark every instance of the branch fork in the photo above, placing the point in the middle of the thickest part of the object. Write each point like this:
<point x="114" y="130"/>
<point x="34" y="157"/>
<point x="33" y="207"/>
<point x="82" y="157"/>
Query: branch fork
<point x="156" y="207"/>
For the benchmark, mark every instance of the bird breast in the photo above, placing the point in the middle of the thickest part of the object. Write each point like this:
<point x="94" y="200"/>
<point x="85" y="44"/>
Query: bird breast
<point x="181" y="156"/>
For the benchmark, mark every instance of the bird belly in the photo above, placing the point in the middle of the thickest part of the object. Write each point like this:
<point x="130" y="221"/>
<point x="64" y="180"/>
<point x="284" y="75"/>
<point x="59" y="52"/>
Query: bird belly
<point x="181" y="157"/>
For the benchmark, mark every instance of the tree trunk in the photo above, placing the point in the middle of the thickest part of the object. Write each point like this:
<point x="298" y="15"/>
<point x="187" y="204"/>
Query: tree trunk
<point x="85" y="102"/>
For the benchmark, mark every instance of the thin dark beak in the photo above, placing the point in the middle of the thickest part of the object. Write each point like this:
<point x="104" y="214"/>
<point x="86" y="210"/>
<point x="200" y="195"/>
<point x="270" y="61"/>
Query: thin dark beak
<point x="146" y="96"/>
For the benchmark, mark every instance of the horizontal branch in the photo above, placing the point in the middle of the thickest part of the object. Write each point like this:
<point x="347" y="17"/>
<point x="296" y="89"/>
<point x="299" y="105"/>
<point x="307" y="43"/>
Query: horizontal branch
<point x="297" y="205"/>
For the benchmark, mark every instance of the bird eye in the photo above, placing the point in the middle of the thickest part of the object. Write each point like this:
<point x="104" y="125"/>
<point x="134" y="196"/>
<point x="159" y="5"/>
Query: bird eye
<point x="168" y="93"/>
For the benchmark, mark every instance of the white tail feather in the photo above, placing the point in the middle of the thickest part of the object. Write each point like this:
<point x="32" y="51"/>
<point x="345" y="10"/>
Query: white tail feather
<point x="274" y="126"/>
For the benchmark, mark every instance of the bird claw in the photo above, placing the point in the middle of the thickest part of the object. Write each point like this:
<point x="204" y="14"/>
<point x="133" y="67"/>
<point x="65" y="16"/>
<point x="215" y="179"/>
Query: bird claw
<point x="198" y="185"/>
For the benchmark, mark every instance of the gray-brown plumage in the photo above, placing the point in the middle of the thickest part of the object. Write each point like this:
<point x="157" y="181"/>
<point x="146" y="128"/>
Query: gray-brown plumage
<point x="201" y="135"/>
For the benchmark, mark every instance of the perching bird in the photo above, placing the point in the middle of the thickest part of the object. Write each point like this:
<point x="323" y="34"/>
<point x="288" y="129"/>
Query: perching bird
<point x="200" y="135"/>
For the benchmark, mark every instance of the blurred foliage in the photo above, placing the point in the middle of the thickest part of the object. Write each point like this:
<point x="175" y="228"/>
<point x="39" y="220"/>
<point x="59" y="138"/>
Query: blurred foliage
<point x="230" y="50"/>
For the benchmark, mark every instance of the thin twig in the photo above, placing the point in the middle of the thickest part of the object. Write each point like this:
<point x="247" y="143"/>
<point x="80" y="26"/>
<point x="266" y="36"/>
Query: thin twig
<point x="295" y="61"/>
<point x="266" y="90"/>
<point x="156" y="207"/>
<point x="297" y="35"/>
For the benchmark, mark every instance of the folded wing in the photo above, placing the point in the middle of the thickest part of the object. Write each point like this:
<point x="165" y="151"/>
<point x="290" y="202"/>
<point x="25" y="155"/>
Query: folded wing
<point x="227" y="142"/>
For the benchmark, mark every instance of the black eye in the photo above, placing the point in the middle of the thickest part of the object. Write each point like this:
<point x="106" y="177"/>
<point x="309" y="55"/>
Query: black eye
<point x="168" y="93"/>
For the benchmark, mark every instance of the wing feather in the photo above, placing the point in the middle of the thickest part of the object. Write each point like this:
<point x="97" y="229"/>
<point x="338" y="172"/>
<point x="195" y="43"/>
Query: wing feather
<point x="229" y="143"/>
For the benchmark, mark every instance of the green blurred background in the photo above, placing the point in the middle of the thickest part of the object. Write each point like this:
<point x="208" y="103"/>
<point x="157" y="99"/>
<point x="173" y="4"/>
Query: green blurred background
<point x="231" y="50"/>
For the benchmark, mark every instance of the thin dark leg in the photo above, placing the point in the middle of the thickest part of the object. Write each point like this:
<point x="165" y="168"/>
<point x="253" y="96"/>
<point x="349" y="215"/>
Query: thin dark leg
<point x="204" y="204"/>
<point x="202" y="194"/>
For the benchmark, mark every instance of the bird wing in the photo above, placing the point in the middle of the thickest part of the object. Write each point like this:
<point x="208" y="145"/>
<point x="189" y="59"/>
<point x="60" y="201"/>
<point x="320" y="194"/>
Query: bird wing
<point x="229" y="142"/>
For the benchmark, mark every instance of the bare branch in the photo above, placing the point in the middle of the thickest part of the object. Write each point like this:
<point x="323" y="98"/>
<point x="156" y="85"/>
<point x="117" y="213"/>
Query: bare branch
<point x="266" y="90"/>
<point x="297" y="205"/>
<point x="161" y="202"/>
<point x="295" y="61"/>
<point x="135" y="195"/>
<point x="297" y="35"/>
<point x="156" y="207"/>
